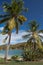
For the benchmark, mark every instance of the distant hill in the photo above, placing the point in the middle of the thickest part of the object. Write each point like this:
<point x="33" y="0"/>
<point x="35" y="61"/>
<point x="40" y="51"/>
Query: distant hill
<point x="15" y="46"/>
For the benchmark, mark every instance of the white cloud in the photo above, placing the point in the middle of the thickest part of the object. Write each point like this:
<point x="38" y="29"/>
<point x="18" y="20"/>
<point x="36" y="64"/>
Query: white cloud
<point x="1" y="28"/>
<point x="15" y="38"/>
<point x="41" y="34"/>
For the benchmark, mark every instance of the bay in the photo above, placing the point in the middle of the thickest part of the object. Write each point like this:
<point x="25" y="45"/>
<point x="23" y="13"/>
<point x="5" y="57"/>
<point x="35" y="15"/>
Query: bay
<point x="11" y="52"/>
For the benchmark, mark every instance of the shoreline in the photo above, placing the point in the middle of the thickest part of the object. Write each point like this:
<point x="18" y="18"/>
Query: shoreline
<point x="2" y="56"/>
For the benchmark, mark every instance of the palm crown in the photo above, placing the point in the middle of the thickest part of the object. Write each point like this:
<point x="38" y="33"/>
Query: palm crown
<point x="33" y="26"/>
<point x="13" y="15"/>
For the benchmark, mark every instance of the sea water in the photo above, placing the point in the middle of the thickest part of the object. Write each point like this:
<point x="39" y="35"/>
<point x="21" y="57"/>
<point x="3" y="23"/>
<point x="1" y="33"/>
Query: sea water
<point x="11" y="52"/>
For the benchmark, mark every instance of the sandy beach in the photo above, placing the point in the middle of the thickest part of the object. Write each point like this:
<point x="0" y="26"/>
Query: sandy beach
<point x="2" y="56"/>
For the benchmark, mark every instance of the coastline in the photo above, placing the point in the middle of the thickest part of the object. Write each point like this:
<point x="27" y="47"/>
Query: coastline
<point x="2" y="56"/>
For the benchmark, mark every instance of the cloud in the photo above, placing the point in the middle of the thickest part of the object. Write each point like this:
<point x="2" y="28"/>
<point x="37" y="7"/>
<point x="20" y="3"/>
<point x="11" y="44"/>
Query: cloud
<point x="41" y="34"/>
<point x="2" y="38"/>
<point x="15" y="38"/>
<point x="1" y="28"/>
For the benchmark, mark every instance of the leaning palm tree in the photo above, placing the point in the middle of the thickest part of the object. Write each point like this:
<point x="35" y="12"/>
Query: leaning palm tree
<point x="34" y="35"/>
<point x="12" y="18"/>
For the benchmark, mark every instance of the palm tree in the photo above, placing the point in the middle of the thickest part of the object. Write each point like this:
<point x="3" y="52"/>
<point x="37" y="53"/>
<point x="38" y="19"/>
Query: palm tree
<point x="12" y="18"/>
<point x="33" y="35"/>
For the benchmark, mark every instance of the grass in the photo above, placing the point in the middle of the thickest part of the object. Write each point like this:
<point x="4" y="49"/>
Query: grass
<point x="2" y="62"/>
<point x="22" y="63"/>
<point x="25" y="63"/>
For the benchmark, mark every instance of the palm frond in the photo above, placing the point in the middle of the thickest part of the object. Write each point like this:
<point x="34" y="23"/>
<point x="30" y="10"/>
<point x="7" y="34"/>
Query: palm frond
<point x="25" y="9"/>
<point x="20" y="21"/>
<point x="5" y="30"/>
<point x="6" y="7"/>
<point x="33" y="25"/>
<point x="5" y="39"/>
<point x="4" y="20"/>
<point x="22" y="18"/>
<point x="2" y="16"/>
<point x="40" y="36"/>
<point x="26" y="36"/>
<point x="11" y="24"/>
<point x="30" y="39"/>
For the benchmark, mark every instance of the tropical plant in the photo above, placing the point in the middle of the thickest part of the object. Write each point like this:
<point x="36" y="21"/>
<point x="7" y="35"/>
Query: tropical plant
<point x="30" y="55"/>
<point x="34" y="35"/>
<point x="15" y="57"/>
<point x="12" y="18"/>
<point x="33" y="50"/>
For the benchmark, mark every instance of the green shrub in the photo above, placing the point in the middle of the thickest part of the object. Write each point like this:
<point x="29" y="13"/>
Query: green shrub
<point x="14" y="57"/>
<point x="31" y="55"/>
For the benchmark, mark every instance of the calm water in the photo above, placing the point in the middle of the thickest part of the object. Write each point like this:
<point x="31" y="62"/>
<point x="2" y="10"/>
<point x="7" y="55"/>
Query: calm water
<point x="11" y="52"/>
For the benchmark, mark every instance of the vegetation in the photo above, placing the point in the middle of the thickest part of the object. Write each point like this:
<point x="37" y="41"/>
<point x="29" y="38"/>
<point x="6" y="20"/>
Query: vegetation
<point x="33" y="50"/>
<point x="34" y="36"/>
<point x="14" y="46"/>
<point x="18" y="46"/>
<point x="14" y="57"/>
<point x="20" y="63"/>
<point x="12" y="18"/>
<point x="32" y="55"/>
<point x="17" y="58"/>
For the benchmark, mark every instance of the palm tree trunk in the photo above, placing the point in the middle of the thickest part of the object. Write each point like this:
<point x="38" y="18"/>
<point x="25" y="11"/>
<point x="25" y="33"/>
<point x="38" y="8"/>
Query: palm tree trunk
<point x="7" y="47"/>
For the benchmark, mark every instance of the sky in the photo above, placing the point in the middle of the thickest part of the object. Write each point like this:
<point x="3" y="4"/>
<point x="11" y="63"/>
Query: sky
<point x="35" y="12"/>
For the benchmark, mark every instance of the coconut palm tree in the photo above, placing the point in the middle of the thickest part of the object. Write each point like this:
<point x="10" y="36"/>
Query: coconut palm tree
<point x="33" y="35"/>
<point x="12" y="18"/>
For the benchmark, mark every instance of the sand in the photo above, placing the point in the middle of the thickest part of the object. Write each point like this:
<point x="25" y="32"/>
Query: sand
<point x="3" y="56"/>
